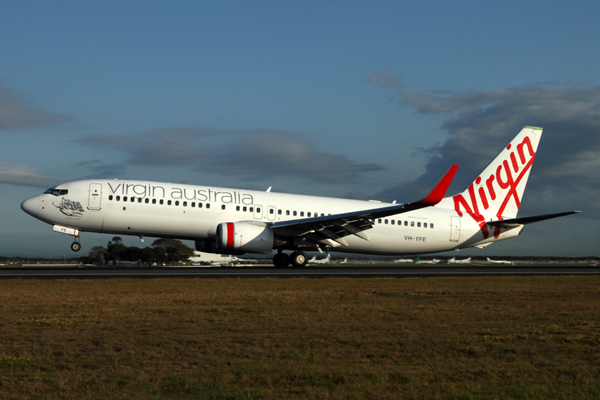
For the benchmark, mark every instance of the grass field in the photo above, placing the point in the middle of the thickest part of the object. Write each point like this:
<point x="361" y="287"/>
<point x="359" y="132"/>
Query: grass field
<point x="414" y="338"/>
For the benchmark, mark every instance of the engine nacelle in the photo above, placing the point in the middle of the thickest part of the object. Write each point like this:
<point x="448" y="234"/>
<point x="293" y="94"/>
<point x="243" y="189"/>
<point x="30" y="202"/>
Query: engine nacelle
<point x="210" y="246"/>
<point x="244" y="237"/>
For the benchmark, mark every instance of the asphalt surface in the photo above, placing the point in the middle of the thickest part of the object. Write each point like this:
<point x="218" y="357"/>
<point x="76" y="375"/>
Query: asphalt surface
<point x="307" y="272"/>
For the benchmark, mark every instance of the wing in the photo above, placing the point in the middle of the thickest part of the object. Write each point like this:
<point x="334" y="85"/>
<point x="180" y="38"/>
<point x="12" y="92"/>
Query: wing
<point x="331" y="229"/>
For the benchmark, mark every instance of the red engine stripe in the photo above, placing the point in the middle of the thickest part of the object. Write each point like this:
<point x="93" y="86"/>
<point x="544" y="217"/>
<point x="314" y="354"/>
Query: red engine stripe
<point x="230" y="233"/>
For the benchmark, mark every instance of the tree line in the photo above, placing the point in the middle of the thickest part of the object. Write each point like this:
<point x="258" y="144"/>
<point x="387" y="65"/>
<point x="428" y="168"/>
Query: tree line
<point x="161" y="251"/>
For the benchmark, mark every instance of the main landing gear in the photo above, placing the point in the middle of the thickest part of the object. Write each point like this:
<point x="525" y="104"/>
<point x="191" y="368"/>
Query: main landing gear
<point x="297" y="259"/>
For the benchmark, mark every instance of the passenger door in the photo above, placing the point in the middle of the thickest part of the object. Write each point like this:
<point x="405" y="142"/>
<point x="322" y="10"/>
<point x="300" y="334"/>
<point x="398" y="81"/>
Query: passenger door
<point x="95" y="196"/>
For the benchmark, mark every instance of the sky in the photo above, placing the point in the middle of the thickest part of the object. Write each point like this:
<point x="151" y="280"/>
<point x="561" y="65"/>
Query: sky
<point x="352" y="99"/>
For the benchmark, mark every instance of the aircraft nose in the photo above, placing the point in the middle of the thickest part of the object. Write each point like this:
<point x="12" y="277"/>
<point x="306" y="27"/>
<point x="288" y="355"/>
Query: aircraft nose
<point x="30" y="206"/>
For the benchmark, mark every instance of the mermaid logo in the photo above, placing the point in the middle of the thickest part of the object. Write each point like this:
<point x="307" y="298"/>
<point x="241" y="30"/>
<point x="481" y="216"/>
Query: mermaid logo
<point x="70" y="208"/>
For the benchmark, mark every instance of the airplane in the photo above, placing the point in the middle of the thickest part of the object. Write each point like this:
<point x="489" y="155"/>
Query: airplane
<point x="453" y="260"/>
<point x="404" y="261"/>
<point x="321" y="261"/>
<point x="236" y="221"/>
<point x="434" y="261"/>
<point x="499" y="261"/>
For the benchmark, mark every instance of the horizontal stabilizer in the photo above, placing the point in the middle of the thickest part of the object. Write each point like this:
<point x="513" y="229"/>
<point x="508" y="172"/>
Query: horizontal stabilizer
<point x="529" y="220"/>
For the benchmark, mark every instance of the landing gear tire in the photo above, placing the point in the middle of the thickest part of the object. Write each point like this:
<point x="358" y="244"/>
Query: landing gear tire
<point x="75" y="246"/>
<point x="281" y="260"/>
<point x="298" y="259"/>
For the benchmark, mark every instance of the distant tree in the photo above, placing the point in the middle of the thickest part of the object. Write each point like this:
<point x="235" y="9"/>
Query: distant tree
<point x="116" y="249"/>
<point x="171" y="249"/>
<point x="98" y="254"/>
<point x="147" y="256"/>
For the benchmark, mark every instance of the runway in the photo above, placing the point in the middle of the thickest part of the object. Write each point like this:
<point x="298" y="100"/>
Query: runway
<point x="307" y="272"/>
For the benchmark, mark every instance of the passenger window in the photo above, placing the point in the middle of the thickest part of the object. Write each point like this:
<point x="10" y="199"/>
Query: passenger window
<point x="295" y="213"/>
<point x="412" y="223"/>
<point x="271" y="211"/>
<point x="302" y="213"/>
<point x="147" y="201"/>
<point x="139" y="199"/>
<point x="425" y="225"/>
<point x="244" y="209"/>
<point x="379" y="221"/>
<point x="185" y="203"/>
<point x="110" y="197"/>
<point x="386" y="221"/>
<point x="405" y="223"/>
<point x="279" y="212"/>
<point x="207" y="205"/>
<point x="418" y="224"/>
<point x="193" y="204"/>
<point x="118" y="198"/>
<point x="168" y="202"/>
<point x="153" y="201"/>
<point x="124" y="198"/>
<point x="199" y="205"/>
<point x="222" y="206"/>
<point x="308" y="214"/>
<point x="287" y="212"/>
<point x="251" y="209"/>
<point x="162" y="201"/>
<point x="257" y="209"/>
<point x="431" y="226"/>
<point x="392" y="221"/>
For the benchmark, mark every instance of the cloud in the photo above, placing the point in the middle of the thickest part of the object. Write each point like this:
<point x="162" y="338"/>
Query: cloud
<point x="566" y="174"/>
<point x="16" y="113"/>
<point x="384" y="78"/>
<point x="254" y="154"/>
<point x="100" y="169"/>
<point x="24" y="175"/>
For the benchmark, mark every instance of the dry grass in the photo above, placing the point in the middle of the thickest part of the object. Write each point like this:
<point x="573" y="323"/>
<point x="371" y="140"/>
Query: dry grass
<point x="434" y="338"/>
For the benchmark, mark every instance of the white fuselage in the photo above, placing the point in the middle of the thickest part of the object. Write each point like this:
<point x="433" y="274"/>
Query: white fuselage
<point x="190" y="212"/>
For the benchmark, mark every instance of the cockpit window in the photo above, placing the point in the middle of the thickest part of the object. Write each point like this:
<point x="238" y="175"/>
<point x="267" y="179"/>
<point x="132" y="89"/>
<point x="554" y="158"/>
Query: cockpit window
<point x="56" y="192"/>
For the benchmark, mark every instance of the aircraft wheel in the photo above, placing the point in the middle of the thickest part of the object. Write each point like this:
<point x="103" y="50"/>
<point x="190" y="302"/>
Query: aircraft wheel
<point x="281" y="260"/>
<point x="298" y="259"/>
<point x="75" y="246"/>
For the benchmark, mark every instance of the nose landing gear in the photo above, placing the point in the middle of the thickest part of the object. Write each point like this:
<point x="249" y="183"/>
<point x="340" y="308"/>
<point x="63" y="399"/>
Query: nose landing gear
<point x="76" y="246"/>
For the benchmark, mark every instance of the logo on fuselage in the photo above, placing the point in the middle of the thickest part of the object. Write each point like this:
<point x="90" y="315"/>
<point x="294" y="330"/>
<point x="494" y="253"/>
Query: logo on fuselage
<point x="185" y="193"/>
<point x="70" y="208"/>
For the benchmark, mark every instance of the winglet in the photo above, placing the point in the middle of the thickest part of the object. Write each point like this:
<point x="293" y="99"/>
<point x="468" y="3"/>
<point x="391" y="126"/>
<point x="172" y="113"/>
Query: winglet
<point x="439" y="191"/>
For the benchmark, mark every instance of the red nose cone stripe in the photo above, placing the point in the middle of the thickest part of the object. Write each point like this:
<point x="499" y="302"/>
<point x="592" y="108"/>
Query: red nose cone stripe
<point x="230" y="235"/>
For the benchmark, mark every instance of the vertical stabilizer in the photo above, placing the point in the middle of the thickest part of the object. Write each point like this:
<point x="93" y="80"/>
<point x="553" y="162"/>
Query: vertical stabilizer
<point x="497" y="192"/>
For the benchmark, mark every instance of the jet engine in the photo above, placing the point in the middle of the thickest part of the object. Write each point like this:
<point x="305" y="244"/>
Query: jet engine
<point x="244" y="237"/>
<point x="210" y="246"/>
